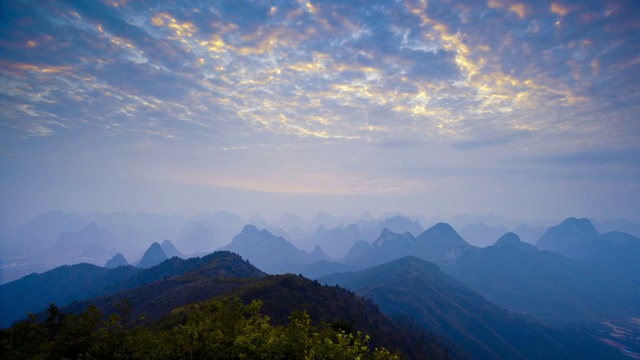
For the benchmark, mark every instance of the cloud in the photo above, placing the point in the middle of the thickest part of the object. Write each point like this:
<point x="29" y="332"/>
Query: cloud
<point x="531" y="80"/>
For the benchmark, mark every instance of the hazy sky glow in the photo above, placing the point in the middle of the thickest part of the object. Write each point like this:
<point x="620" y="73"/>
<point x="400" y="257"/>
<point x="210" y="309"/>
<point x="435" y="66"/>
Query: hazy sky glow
<point x="438" y="107"/>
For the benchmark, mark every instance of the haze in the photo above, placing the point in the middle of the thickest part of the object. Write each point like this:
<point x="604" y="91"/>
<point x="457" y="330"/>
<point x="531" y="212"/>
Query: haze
<point x="436" y="108"/>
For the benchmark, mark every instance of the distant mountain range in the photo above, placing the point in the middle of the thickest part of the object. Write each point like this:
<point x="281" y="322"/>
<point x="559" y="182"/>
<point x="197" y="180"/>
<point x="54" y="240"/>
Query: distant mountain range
<point x="96" y="237"/>
<point x="481" y="234"/>
<point x="272" y="253"/>
<point x="411" y="287"/>
<point x="578" y="239"/>
<point x="547" y="285"/>
<point x="516" y="275"/>
<point x="422" y="300"/>
<point x="440" y="244"/>
<point x="435" y="287"/>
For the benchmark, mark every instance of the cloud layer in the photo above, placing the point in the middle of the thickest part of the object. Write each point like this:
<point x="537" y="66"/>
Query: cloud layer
<point x="324" y="96"/>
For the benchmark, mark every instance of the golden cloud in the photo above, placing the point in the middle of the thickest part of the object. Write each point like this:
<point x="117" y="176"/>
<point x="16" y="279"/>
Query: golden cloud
<point x="559" y="9"/>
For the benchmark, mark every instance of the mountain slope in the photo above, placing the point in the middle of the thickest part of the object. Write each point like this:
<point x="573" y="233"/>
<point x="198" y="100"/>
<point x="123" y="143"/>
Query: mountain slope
<point x="68" y="283"/>
<point x="418" y="289"/>
<point x="176" y="299"/>
<point x="280" y="294"/>
<point x="227" y="275"/>
<point x="61" y="285"/>
<point x="213" y="274"/>
<point x="547" y="285"/>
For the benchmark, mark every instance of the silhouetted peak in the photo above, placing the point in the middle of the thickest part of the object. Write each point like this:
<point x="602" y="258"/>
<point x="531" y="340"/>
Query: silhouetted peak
<point x="387" y="233"/>
<point x="508" y="239"/>
<point x="388" y="236"/>
<point x="577" y="239"/>
<point x="250" y="230"/>
<point x="153" y="256"/>
<point x="227" y="264"/>
<point x="512" y="240"/>
<point x="578" y="226"/>
<point x="442" y="227"/>
<point x="116" y="261"/>
<point x="571" y="232"/>
<point x="170" y="250"/>
<point x="441" y="231"/>
<point x="166" y="242"/>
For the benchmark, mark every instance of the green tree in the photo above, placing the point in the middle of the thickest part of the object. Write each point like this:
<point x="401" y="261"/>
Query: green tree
<point x="225" y="329"/>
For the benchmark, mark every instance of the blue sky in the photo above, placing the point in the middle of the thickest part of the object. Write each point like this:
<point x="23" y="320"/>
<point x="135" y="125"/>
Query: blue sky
<point x="524" y="109"/>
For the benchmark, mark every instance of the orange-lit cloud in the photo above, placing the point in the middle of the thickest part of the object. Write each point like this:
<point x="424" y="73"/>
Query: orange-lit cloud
<point x="519" y="9"/>
<point x="559" y="9"/>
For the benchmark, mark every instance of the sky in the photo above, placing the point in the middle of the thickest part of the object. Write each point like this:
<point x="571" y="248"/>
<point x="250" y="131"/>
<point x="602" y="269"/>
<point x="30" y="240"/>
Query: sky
<point x="523" y="109"/>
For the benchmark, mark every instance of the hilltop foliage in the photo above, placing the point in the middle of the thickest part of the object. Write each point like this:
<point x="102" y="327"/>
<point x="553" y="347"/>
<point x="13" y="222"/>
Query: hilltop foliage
<point x="221" y="329"/>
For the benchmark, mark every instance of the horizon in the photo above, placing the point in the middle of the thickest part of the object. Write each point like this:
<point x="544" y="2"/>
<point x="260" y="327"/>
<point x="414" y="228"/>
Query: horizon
<point x="525" y="109"/>
<point x="489" y="219"/>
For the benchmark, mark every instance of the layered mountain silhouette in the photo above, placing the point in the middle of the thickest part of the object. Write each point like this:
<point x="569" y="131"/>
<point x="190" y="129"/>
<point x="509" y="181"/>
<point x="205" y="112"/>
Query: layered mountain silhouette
<point x="90" y="241"/>
<point x="92" y="237"/>
<point x="440" y="244"/>
<point x="579" y="276"/>
<point x="336" y="241"/>
<point x="271" y="253"/>
<point x="414" y="288"/>
<point x="69" y="283"/>
<point x="182" y="283"/>
<point x="481" y="234"/>
<point x="547" y="285"/>
<point x="401" y="224"/>
<point x="621" y="225"/>
<point x="388" y="246"/>
<point x="529" y="234"/>
<point x="512" y="240"/>
<point x="579" y="239"/>
<point x="575" y="238"/>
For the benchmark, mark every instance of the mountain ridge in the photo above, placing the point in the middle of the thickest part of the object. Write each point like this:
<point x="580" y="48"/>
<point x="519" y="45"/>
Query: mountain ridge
<point x="414" y="287"/>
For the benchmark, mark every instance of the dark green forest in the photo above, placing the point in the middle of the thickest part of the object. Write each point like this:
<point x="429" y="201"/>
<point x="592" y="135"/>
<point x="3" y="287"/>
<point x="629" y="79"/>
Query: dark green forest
<point x="217" y="329"/>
